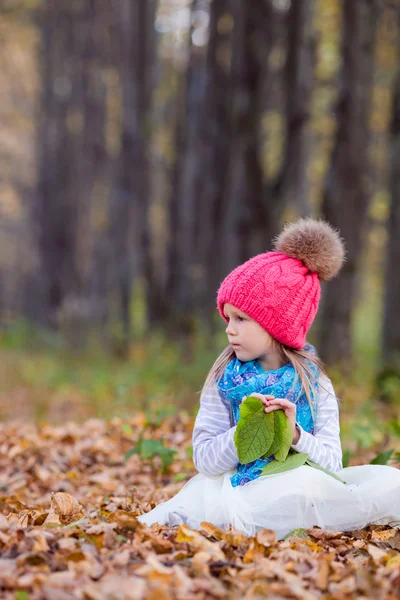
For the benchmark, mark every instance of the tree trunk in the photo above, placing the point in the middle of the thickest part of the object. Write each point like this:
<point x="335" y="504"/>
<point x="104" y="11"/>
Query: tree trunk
<point x="74" y="179"/>
<point x="247" y="211"/>
<point x="184" y="206"/>
<point x="214" y="151"/>
<point x="56" y="213"/>
<point x="391" y="323"/>
<point x="346" y="193"/>
<point x="255" y="209"/>
<point x="292" y="184"/>
<point x="95" y="164"/>
<point x="130" y="228"/>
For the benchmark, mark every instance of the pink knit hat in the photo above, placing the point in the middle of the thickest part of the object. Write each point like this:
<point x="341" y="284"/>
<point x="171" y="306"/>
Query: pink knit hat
<point x="281" y="290"/>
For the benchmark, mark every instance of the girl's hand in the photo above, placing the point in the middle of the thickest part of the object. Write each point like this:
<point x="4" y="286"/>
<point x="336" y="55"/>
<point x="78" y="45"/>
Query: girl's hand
<point x="288" y="407"/>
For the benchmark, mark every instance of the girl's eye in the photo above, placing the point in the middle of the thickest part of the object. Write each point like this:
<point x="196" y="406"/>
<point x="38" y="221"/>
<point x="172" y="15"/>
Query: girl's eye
<point x="240" y="319"/>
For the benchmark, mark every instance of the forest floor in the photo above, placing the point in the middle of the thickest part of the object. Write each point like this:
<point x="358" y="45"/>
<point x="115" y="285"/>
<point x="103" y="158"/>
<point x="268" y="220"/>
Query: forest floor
<point x="69" y="498"/>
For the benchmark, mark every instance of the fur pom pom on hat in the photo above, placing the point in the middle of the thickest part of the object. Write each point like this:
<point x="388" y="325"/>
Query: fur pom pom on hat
<point x="315" y="243"/>
<point x="281" y="290"/>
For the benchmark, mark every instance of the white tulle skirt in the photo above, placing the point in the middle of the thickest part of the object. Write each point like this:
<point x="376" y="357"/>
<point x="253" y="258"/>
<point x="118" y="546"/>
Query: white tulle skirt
<point x="301" y="498"/>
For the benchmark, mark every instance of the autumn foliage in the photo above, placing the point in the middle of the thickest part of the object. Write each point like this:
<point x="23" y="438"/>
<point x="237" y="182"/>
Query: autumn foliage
<point x="69" y="498"/>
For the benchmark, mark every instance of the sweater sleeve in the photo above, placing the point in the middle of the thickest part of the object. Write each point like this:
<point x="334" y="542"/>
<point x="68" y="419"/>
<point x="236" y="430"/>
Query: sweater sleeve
<point x="323" y="447"/>
<point x="214" y="450"/>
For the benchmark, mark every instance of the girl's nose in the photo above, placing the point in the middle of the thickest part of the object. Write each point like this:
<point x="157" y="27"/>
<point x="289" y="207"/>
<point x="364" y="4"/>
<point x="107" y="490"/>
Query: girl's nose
<point x="229" y="330"/>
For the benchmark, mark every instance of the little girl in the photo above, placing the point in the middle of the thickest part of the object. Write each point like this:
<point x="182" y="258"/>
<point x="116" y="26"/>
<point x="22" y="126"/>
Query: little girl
<point x="269" y="304"/>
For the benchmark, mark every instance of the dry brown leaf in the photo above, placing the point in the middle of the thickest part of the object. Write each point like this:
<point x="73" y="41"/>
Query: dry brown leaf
<point x="109" y="554"/>
<point x="324" y="534"/>
<point x="378" y="555"/>
<point x="323" y="575"/>
<point x="200" y="564"/>
<point x="389" y="538"/>
<point x="64" y="509"/>
<point x="266" y="538"/>
<point x="198" y="543"/>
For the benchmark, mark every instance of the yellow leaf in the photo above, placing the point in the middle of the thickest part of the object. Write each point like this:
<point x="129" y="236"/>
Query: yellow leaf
<point x="199" y="543"/>
<point x="266" y="537"/>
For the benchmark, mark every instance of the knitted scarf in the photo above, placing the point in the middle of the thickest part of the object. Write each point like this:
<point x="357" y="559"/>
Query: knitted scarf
<point x="245" y="378"/>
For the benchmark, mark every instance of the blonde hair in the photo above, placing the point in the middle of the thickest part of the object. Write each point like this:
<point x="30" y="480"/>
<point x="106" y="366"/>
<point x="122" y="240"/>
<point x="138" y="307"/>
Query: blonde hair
<point x="300" y="359"/>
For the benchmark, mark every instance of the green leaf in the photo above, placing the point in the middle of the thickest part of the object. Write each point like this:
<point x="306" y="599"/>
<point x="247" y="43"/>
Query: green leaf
<point x="131" y="452"/>
<point x="293" y="461"/>
<point x="346" y="457"/>
<point x="167" y="457"/>
<point x="254" y="432"/>
<point x="21" y="595"/>
<point x="250" y="406"/>
<point x="283" y="435"/>
<point x="382" y="458"/>
<point x="315" y="466"/>
<point x="149" y="448"/>
<point x="127" y="429"/>
<point x="180" y="476"/>
<point x="301" y="533"/>
<point x="394" y="426"/>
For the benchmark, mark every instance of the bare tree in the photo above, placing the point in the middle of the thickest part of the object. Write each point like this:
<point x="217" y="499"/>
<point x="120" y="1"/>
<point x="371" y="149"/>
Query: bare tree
<point x="346" y="194"/>
<point x="391" y="325"/>
<point x="56" y="213"/>
<point x="215" y="151"/>
<point x="73" y="174"/>
<point x="247" y="210"/>
<point x="292" y="183"/>
<point x="187" y="181"/>
<point x="130" y="227"/>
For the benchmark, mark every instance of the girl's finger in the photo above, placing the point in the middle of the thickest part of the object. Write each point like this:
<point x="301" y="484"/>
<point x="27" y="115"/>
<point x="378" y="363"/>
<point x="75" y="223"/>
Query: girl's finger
<point x="271" y="408"/>
<point x="267" y="399"/>
<point x="281" y="402"/>
<point x="284" y="405"/>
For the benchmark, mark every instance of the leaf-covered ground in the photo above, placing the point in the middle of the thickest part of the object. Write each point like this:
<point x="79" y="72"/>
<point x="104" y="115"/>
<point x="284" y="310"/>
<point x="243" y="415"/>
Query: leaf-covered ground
<point x="68" y="528"/>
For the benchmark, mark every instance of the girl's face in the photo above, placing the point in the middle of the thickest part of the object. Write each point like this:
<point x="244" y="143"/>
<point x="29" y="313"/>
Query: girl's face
<point x="248" y="339"/>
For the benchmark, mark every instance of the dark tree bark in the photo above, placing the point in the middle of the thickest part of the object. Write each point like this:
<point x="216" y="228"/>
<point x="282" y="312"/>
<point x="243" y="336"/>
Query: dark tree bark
<point x="184" y="203"/>
<point x="95" y="163"/>
<point x="292" y="185"/>
<point x="247" y="209"/>
<point x="214" y="150"/>
<point x="391" y="324"/>
<point x="56" y="213"/>
<point x="130" y="225"/>
<point x="73" y="177"/>
<point x="346" y="193"/>
<point x="256" y="204"/>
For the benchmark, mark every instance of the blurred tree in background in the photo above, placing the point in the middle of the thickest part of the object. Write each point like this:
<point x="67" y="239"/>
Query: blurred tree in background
<point x="150" y="146"/>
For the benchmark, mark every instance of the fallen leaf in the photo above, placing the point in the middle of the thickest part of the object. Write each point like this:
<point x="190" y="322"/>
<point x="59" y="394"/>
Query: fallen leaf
<point x="64" y="509"/>
<point x="198" y="543"/>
